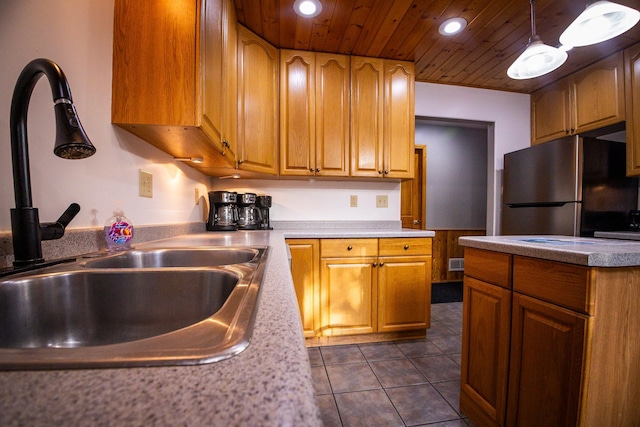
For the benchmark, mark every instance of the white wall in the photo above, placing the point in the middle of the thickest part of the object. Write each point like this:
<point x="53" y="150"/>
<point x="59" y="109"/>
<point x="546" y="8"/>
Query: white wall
<point x="321" y="200"/>
<point x="509" y="113"/>
<point x="77" y="34"/>
<point x="456" y="174"/>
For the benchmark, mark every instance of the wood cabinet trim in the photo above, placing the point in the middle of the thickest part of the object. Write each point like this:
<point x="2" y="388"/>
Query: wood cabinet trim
<point x="489" y="266"/>
<point x="559" y="283"/>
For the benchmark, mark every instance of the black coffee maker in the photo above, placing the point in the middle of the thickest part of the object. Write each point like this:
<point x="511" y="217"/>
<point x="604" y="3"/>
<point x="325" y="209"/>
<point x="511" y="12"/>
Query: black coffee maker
<point x="264" y="203"/>
<point x="248" y="214"/>
<point x="223" y="214"/>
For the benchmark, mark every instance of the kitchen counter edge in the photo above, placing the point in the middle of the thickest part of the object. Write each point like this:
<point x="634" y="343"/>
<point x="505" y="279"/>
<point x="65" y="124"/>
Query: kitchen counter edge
<point x="268" y="384"/>
<point x="591" y="252"/>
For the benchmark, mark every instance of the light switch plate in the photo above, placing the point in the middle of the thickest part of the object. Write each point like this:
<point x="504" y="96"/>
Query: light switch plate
<point x="354" y="201"/>
<point x="146" y="184"/>
<point x="382" y="201"/>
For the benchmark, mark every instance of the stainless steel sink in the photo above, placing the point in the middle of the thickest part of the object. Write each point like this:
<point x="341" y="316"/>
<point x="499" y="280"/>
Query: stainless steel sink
<point x="175" y="257"/>
<point x="139" y="308"/>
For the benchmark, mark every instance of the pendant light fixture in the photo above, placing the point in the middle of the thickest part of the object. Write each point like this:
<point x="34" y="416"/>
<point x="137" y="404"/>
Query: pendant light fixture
<point x="601" y="20"/>
<point x="538" y="58"/>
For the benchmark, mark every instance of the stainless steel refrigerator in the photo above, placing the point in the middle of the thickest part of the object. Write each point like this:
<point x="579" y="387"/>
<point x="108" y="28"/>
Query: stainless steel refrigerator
<point x="573" y="186"/>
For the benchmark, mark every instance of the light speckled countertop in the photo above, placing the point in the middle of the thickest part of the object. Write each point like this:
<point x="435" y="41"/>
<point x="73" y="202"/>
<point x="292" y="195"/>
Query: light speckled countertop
<point x="593" y="252"/>
<point x="268" y="384"/>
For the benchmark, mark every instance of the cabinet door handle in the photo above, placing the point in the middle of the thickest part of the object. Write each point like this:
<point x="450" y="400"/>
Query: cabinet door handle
<point x="380" y="172"/>
<point x="349" y="247"/>
<point x="317" y="169"/>
<point x="406" y="247"/>
<point x="382" y="264"/>
<point x="386" y="172"/>
<point x="375" y="264"/>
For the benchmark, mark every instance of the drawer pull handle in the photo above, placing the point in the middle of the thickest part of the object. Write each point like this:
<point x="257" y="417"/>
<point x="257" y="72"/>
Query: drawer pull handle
<point x="349" y="247"/>
<point x="406" y="247"/>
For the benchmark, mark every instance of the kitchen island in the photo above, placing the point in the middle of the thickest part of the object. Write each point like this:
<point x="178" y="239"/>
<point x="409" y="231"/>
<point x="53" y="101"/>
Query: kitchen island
<point x="267" y="384"/>
<point x="551" y="331"/>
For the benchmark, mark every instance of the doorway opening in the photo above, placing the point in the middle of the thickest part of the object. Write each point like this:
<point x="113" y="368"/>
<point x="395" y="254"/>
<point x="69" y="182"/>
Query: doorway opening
<point x="456" y="196"/>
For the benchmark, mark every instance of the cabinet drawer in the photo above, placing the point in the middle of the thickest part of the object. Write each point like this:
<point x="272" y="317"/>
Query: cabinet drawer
<point x="558" y="283"/>
<point x="334" y="248"/>
<point x="405" y="246"/>
<point x="492" y="267"/>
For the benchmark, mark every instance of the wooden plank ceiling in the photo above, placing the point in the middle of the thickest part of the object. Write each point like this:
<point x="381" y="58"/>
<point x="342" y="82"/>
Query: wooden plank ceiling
<point x="497" y="33"/>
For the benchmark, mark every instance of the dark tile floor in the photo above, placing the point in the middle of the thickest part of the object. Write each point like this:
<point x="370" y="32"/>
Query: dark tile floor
<point x="400" y="383"/>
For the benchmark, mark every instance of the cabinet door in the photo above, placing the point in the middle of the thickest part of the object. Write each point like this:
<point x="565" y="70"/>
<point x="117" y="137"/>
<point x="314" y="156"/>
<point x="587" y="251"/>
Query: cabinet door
<point x="399" y="119"/>
<point x="347" y="290"/>
<point x="305" y="270"/>
<point x="545" y="375"/>
<point x="212" y="65"/>
<point x="332" y="114"/>
<point x="550" y="112"/>
<point x="632" y="76"/>
<point x="149" y="40"/>
<point x="598" y="94"/>
<point x="367" y="94"/>
<point x="485" y="351"/>
<point x="258" y="103"/>
<point x="297" y="113"/>
<point x="404" y="293"/>
<point x="229" y="131"/>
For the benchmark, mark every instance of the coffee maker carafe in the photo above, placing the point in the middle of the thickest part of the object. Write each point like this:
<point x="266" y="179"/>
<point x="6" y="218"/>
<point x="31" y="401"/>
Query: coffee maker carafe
<point x="248" y="215"/>
<point x="264" y="203"/>
<point x="223" y="214"/>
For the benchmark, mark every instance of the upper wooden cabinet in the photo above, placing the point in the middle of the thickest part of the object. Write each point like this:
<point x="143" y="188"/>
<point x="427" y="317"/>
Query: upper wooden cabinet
<point x="314" y="114"/>
<point x="258" y="104"/>
<point x="588" y="99"/>
<point x="632" y="82"/>
<point x="171" y="67"/>
<point x="551" y="112"/>
<point x="382" y="118"/>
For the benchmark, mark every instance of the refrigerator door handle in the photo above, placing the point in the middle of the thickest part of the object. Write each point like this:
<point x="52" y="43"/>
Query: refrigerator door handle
<point x="537" y="205"/>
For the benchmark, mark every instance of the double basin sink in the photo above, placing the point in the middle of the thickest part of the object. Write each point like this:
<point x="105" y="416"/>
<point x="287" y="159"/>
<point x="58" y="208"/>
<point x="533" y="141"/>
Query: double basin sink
<point x="142" y="307"/>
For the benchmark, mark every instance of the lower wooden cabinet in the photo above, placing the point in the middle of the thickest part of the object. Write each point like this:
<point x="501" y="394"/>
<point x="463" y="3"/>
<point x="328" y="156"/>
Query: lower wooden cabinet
<point x="305" y="259"/>
<point x="347" y="295"/>
<point x="545" y="373"/>
<point x="485" y="351"/>
<point x="549" y="343"/>
<point x="364" y="285"/>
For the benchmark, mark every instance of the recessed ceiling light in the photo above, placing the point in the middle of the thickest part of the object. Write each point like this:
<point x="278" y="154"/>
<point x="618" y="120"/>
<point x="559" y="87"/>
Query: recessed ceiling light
<point x="452" y="26"/>
<point x="307" y="8"/>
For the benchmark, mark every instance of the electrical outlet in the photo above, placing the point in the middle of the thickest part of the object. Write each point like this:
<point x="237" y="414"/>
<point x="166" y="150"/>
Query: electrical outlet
<point x="382" y="201"/>
<point x="146" y="184"/>
<point x="197" y="195"/>
<point x="354" y="201"/>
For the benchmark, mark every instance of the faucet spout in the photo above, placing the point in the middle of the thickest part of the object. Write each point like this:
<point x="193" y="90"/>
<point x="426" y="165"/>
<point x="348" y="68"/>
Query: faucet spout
<point x="71" y="142"/>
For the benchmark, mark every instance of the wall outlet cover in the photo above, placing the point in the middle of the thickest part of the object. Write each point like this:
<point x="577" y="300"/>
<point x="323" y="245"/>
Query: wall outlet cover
<point x="146" y="184"/>
<point x="354" y="201"/>
<point x="382" y="201"/>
